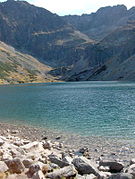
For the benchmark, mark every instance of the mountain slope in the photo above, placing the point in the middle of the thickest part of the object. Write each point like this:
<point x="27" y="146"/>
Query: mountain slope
<point x="40" y="33"/>
<point x="16" y="67"/>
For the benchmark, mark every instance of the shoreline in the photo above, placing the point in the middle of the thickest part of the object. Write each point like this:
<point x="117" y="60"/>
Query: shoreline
<point x="33" y="153"/>
<point x="98" y="146"/>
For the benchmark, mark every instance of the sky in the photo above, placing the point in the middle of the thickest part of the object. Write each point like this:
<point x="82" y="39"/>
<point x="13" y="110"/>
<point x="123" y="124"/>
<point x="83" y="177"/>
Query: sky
<point x="66" y="7"/>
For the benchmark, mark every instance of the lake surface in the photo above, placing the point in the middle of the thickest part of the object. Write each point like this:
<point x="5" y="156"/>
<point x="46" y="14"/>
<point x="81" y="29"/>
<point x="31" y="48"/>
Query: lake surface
<point x="86" y="108"/>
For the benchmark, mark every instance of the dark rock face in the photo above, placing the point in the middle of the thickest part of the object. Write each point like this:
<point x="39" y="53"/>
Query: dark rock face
<point x="39" y="32"/>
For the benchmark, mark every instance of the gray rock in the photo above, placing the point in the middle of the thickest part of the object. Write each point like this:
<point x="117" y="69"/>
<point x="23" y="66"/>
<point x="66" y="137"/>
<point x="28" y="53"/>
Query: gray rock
<point x="121" y="176"/>
<point x="56" y="160"/>
<point x="15" y="166"/>
<point x="113" y="165"/>
<point x="85" y="166"/>
<point x="68" y="171"/>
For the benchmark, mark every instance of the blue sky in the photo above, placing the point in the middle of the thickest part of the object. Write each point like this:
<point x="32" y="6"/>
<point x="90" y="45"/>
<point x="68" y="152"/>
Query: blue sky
<point x="64" y="7"/>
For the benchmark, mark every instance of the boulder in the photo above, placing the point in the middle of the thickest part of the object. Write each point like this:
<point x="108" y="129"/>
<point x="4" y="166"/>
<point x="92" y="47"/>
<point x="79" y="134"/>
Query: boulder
<point x="113" y="165"/>
<point x="121" y="176"/>
<point x="66" y="172"/>
<point x="85" y="166"/>
<point x="15" y="166"/>
<point x="59" y="162"/>
<point x="38" y="175"/>
<point x="3" y="167"/>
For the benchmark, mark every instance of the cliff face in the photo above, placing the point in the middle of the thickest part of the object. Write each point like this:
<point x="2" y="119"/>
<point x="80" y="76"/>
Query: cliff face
<point x="65" y="44"/>
<point x="113" y="58"/>
<point x="39" y="32"/>
<point x="16" y="67"/>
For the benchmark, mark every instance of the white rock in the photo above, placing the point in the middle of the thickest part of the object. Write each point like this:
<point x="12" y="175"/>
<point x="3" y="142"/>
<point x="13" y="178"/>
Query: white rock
<point x="33" y="146"/>
<point x="66" y="172"/>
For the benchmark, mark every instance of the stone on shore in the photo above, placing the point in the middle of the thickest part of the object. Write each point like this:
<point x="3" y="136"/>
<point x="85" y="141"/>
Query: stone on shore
<point x="59" y="162"/>
<point x="66" y="172"/>
<point x="85" y="166"/>
<point x="113" y="165"/>
<point x="15" y="166"/>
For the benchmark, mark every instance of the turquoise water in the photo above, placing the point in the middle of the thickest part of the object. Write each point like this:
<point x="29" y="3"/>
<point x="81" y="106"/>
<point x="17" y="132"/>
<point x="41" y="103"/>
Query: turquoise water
<point x="86" y="108"/>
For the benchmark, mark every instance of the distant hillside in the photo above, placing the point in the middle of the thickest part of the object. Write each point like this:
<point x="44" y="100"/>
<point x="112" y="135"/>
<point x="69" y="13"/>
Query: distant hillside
<point x="16" y="67"/>
<point x="40" y="33"/>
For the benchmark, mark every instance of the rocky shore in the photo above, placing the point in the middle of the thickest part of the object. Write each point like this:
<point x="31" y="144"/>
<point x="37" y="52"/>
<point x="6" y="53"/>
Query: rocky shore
<point x="25" y="153"/>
